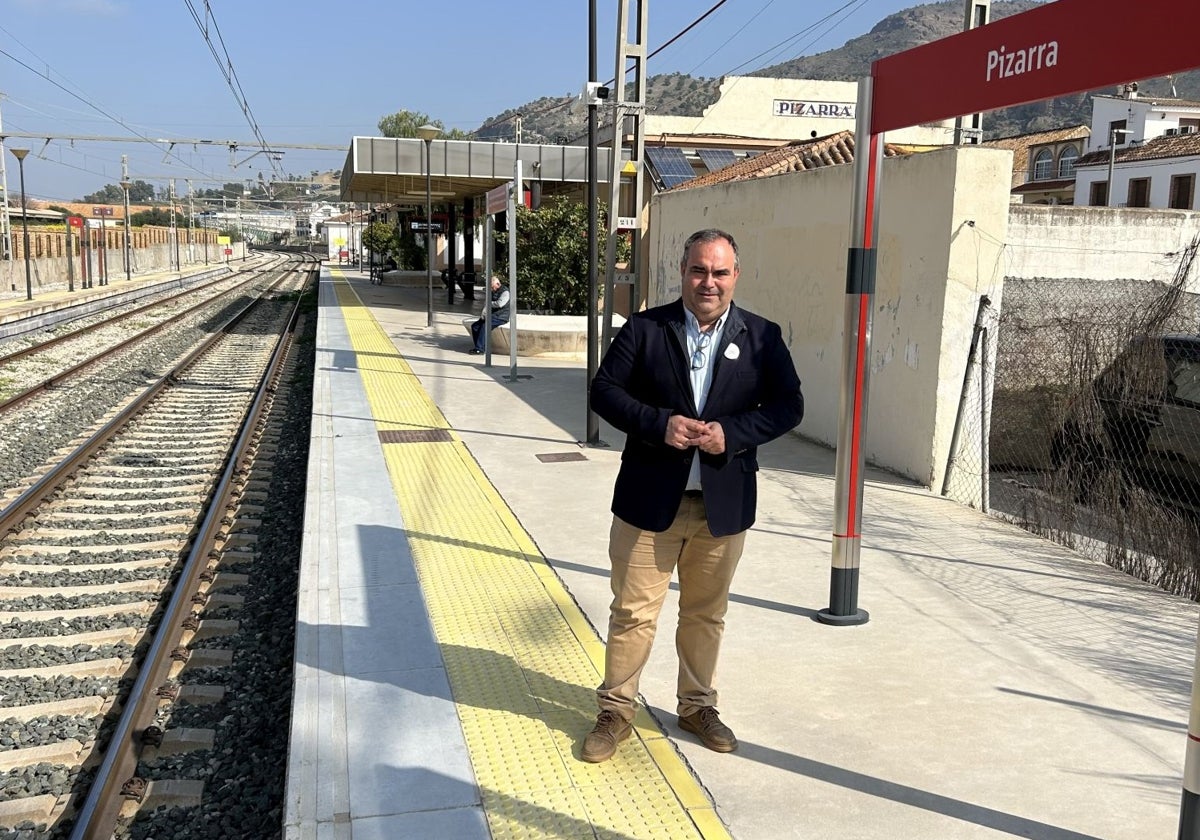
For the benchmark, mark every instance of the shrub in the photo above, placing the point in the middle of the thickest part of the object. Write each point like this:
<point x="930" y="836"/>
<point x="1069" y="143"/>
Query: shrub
<point x="552" y="256"/>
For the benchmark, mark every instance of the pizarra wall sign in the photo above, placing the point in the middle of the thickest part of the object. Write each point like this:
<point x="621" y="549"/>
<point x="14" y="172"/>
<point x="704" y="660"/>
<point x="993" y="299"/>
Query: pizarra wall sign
<point x="809" y="108"/>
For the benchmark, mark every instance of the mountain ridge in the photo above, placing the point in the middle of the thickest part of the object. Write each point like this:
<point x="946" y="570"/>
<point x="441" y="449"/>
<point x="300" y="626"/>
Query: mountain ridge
<point x="552" y="119"/>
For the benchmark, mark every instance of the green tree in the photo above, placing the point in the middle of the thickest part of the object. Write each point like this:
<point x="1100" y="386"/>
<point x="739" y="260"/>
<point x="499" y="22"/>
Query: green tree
<point x="405" y="124"/>
<point x="111" y="194"/>
<point x="380" y="237"/>
<point x="158" y="216"/>
<point x="552" y="256"/>
<point x="140" y="191"/>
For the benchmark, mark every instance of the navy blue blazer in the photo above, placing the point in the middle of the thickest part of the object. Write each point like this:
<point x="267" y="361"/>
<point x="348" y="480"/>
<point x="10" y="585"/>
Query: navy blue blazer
<point x="645" y="378"/>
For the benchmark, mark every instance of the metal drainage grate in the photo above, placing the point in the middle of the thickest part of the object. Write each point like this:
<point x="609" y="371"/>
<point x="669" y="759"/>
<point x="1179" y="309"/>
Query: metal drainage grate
<point x="556" y="457"/>
<point x="415" y="436"/>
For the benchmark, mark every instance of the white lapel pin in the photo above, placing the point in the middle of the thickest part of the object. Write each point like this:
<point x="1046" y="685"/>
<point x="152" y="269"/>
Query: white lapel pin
<point x="732" y="352"/>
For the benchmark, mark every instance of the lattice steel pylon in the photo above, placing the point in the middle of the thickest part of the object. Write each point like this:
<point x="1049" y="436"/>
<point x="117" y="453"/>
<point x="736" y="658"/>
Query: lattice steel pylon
<point x="632" y="110"/>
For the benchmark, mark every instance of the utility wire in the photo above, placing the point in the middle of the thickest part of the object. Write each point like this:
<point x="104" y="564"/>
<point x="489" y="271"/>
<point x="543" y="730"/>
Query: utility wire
<point x="235" y="85"/>
<point x="169" y="151"/>
<point x="799" y="34"/>
<point x="793" y="38"/>
<point x="570" y="99"/>
<point x="681" y="33"/>
<point x="729" y="40"/>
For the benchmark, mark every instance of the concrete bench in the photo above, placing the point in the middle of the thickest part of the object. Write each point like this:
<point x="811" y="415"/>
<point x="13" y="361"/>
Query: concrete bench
<point x="542" y="335"/>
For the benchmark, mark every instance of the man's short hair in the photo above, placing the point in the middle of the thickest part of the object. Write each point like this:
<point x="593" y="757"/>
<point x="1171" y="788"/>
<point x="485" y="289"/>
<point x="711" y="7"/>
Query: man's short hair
<point x="710" y="235"/>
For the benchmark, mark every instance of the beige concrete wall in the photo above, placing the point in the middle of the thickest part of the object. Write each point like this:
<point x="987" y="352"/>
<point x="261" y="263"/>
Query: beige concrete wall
<point x="746" y="108"/>
<point x="793" y="233"/>
<point x="1098" y="243"/>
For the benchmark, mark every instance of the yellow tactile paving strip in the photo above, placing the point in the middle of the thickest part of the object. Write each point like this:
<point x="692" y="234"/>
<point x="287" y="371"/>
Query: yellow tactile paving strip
<point x="522" y="659"/>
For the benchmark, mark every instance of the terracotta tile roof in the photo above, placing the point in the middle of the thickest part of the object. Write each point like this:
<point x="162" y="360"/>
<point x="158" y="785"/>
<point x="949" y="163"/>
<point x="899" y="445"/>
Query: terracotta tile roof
<point x="1045" y="185"/>
<point x="796" y="156"/>
<point x="1179" y="145"/>
<point x="1019" y="144"/>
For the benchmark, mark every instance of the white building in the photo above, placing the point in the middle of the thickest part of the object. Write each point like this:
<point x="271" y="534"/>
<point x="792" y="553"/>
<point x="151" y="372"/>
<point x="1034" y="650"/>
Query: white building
<point x="343" y="237"/>
<point x="310" y="220"/>
<point x="1153" y="146"/>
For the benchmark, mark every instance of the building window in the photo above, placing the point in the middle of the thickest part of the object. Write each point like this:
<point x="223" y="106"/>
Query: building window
<point x="1098" y="196"/>
<point x="1043" y="165"/>
<point x="1118" y="125"/>
<point x="1188" y="124"/>
<point x="1183" y="190"/>
<point x="1066" y="162"/>
<point x="1139" y="192"/>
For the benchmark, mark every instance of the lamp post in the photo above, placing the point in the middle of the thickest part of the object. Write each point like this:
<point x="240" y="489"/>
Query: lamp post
<point x="1112" y="159"/>
<point x="19" y="154"/>
<point x="125" y="185"/>
<point x="427" y="133"/>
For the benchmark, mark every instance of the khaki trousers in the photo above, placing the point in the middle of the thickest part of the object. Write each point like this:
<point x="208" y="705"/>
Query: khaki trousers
<point x="642" y="565"/>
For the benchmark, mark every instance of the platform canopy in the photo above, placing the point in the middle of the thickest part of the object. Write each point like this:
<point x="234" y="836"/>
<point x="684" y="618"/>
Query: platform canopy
<point x="391" y="169"/>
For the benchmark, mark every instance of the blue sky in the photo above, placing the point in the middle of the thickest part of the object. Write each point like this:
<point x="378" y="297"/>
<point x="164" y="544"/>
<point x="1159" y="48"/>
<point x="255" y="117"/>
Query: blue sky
<point x="321" y="72"/>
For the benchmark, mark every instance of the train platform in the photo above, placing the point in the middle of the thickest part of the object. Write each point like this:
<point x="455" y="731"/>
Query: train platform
<point x="454" y="593"/>
<point x="48" y="306"/>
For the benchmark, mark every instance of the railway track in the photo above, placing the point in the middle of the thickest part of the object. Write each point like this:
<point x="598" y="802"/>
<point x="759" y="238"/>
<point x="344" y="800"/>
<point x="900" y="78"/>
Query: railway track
<point x="74" y="393"/>
<point x="35" y="360"/>
<point x="122" y="563"/>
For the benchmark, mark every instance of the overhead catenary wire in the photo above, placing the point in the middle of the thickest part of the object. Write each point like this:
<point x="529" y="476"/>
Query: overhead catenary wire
<point x="231" y="78"/>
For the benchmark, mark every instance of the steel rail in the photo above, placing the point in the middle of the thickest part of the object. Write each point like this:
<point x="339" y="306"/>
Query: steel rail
<point x="41" y="490"/>
<point x="101" y="808"/>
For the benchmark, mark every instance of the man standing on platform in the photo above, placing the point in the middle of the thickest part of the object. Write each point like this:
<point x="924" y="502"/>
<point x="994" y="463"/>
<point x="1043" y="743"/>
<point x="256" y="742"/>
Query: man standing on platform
<point x="696" y="386"/>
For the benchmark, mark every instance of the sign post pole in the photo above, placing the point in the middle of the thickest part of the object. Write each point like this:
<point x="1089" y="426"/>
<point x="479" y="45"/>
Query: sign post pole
<point x="496" y="201"/>
<point x="856" y="369"/>
<point x="1052" y="50"/>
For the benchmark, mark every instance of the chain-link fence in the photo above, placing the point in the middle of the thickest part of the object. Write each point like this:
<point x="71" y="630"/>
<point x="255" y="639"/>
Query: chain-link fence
<point x="1080" y="420"/>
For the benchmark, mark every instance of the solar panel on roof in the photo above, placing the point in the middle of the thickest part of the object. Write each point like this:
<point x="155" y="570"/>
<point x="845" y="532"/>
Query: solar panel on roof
<point x="716" y="159"/>
<point x="670" y="165"/>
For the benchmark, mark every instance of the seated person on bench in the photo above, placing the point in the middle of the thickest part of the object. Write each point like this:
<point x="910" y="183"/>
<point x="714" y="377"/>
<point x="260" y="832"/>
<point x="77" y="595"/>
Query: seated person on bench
<point x="497" y="304"/>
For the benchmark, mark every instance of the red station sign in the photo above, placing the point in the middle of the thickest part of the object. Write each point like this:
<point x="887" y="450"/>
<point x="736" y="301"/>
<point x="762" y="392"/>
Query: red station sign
<point x="1062" y="47"/>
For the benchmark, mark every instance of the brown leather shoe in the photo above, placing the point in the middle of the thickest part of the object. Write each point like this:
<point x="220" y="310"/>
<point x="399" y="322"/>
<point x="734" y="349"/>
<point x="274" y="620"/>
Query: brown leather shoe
<point x="610" y="730"/>
<point x="706" y="725"/>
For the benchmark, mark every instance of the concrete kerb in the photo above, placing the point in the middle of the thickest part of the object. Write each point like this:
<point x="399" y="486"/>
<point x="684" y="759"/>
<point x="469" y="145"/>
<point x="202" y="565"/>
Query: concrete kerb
<point x="541" y="335"/>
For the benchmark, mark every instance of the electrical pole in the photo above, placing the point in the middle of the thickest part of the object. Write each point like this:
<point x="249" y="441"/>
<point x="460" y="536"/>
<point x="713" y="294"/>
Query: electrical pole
<point x="592" y="437"/>
<point x="631" y="47"/>
<point x="191" y="216"/>
<point x="173" y="227"/>
<point x="7" y="219"/>
<point x="976" y="13"/>
<point x="125" y="190"/>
